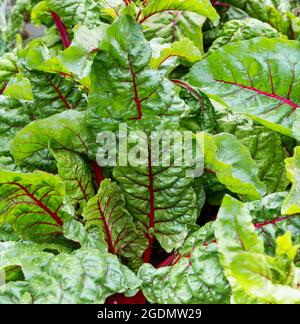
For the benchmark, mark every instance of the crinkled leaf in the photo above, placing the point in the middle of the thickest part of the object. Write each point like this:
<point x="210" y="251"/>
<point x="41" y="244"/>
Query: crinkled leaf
<point x="83" y="277"/>
<point x="159" y="196"/>
<point x="8" y="68"/>
<point x="34" y="204"/>
<point x="196" y="276"/>
<point x="276" y="13"/>
<point x="107" y="212"/>
<point x="258" y="77"/>
<point x="253" y="273"/>
<point x="77" y="176"/>
<point x="127" y="89"/>
<point x="238" y="30"/>
<point x="75" y="231"/>
<point x="72" y="12"/>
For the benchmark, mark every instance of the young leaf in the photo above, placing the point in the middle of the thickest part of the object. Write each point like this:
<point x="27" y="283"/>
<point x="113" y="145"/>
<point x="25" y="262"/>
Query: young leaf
<point x="107" y="212"/>
<point x="231" y="162"/>
<point x="201" y="7"/>
<point x="34" y="204"/>
<point x="261" y="72"/>
<point x="184" y="49"/>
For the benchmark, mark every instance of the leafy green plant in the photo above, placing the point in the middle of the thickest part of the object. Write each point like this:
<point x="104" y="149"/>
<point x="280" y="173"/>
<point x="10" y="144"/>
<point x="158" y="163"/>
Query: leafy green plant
<point x="73" y="230"/>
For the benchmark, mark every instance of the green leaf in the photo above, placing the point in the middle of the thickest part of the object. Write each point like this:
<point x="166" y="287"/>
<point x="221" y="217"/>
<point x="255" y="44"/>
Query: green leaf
<point x="34" y="204"/>
<point x="253" y="274"/>
<point x="13" y="117"/>
<point x="72" y="12"/>
<point x="238" y="30"/>
<point x="127" y="89"/>
<point x="19" y="87"/>
<point x="79" y="56"/>
<point x="83" y="277"/>
<point x="202" y="113"/>
<point x="276" y="13"/>
<point x="77" y="176"/>
<point x="8" y="67"/>
<point x="270" y="223"/>
<point x="76" y="232"/>
<point x="159" y="196"/>
<point x="65" y="131"/>
<point x="261" y="72"/>
<point x="107" y="212"/>
<point x="194" y="277"/>
<point x="225" y="156"/>
<point x="291" y="204"/>
<point x="265" y="146"/>
<point x="168" y="27"/>
<point x="201" y="7"/>
<point x="234" y="231"/>
<point x="184" y="49"/>
<point x="254" y="277"/>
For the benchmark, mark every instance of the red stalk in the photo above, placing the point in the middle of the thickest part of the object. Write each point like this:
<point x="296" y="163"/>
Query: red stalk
<point x="61" y="29"/>
<point x="121" y="299"/>
<point x="3" y="89"/>
<point x="98" y="172"/>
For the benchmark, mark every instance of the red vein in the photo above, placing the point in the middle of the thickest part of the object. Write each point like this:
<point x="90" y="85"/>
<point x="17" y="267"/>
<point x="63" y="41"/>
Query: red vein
<point x="39" y="203"/>
<point x="147" y="254"/>
<point x="61" y="29"/>
<point x="272" y="222"/>
<point x="107" y="229"/>
<point x="61" y="96"/>
<point x="136" y="94"/>
<point x="263" y="93"/>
